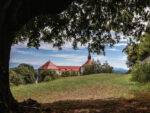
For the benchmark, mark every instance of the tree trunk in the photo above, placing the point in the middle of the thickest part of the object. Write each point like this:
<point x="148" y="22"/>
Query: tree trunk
<point x="6" y="98"/>
<point x="7" y="33"/>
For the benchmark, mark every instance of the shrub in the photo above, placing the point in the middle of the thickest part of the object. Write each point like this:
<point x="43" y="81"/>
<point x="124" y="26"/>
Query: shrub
<point x="47" y="78"/>
<point x="68" y="74"/>
<point x="141" y="72"/>
<point x="65" y="74"/>
<point x="27" y="75"/>
<point x="14" y="78"/>
<point x="89" y="70"/>
<point x="50" y="73"/>
<point x="73" y="73"/>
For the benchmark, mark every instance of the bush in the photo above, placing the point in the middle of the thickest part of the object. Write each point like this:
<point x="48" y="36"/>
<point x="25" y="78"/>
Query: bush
<point x="73" y="73"/>
<point x="27" y="75"/>
<point x="47" y="78"/>
<point x="14" y="78"/>
<point x="89" y="70"/>
<point x="141" y="72"/>
<point x="23" y="74"/>
<point x="68" y="74"/>
<point x="65" y="74"/>
<point x="50" y="73"/>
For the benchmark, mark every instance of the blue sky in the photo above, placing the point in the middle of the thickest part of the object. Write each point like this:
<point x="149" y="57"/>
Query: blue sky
<point x="68" y="56"/>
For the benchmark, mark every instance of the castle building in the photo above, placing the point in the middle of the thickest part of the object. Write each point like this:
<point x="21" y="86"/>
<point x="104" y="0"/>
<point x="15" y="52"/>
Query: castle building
<point x="59" y="69"/>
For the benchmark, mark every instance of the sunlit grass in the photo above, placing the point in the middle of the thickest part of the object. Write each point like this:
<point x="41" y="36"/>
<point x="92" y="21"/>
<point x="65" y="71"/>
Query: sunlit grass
<point x="96" y="86"/>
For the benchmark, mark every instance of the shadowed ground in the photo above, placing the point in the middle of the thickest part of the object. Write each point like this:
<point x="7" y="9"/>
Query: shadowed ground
<point x="91" y="106"/>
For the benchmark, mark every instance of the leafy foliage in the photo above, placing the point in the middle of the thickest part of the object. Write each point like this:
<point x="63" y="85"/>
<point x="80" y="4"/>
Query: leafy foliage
<point x="141" y="72"/>
<point x="96" y="67"/>
<point x="73" y="73"/>
<point x="106" y="68"/>
<point x="67" y="74"/>
<point x="51" y="73"/>
<point x="138" y="51"/>
<point x="87" y="22"/>
<point x="30" y="67"/>
<point x="28" y="75"/>
<point x="14" y="78"/>
<point x="23" y="74"/>
<point x="144" y="46"/>
<point x="47" y="78"/>
<point x="132" y="51"/>
<point x="89" y="70"/>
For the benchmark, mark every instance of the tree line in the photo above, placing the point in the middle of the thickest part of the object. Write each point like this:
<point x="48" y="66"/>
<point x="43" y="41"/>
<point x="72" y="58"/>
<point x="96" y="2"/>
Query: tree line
<point x="97" y="67"/>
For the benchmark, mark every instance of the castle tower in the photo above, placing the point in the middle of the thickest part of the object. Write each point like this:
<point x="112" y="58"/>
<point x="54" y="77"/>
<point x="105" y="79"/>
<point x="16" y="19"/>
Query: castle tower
<point x="87" y="63"/>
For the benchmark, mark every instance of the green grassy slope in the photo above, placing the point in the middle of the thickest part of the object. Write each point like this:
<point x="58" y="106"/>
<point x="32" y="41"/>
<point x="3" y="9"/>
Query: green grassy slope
<point x="97" y="86"/>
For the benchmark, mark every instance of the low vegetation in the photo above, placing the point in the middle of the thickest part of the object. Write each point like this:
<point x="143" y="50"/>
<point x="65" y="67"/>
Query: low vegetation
<point x="68" y="74"/>
<point x="141" y="72"/>
<point x="97" y="67"/>
<point x="48" y="75"/>
<point x="23" y="74"/>
<point x="94" y="86"/>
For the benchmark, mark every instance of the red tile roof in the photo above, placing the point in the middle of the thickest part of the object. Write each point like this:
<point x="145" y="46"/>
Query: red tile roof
<point x="89" y="62"/>
<point x="69" y="68"/>
<point x="48" y="65"/>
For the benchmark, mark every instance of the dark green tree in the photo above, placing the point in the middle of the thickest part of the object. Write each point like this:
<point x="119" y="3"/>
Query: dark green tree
<point x="144" y="46"/>
<point x="51" y="73"/>
<point x="85" y="21"/>
<point x="89" y="69"/>
<point x="97" y="67"/>
<point x="106" y="68"/>
<point x="27" y="74"/>
<point x="132" y="53"/>
<point x="65" y="74"/>
<point x="137" y="50"/>
<point x="30" y="67"/>
<point x="15" y="78"/>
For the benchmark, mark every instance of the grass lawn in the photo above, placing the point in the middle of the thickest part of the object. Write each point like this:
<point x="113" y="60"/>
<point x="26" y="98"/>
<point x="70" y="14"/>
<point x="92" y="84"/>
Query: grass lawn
<point x="96" y="86"/>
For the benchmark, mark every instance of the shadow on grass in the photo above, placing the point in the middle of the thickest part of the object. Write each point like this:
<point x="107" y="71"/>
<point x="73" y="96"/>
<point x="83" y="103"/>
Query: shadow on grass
<point x="119" y="105"/>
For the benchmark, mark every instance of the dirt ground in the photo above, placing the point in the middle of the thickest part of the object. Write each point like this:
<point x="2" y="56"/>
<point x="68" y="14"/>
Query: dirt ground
<point x="119" y="105"/>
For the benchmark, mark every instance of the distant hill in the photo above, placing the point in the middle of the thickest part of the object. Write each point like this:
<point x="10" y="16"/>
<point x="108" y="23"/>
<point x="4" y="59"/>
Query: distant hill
<point x="120" y="70"/>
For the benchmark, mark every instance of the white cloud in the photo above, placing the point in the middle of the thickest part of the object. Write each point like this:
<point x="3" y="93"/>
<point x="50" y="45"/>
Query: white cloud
<point x="113" y="49"/>
<point x="124" y="58"/>
<point x="100" y="58"/>
<point x="120" y="65"/>
<point x="33" y="53"/>
<point x="69" y="59"/>
<point x="27" y="61"/>
<point x="120" y="44"/>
